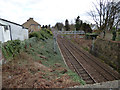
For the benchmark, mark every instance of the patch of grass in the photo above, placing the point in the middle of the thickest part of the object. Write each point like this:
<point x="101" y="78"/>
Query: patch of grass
<point x="47" y="50"/>
<point x="85" y="48"/>
<point x="75" y="77"/>
<point x="32" y="53"/>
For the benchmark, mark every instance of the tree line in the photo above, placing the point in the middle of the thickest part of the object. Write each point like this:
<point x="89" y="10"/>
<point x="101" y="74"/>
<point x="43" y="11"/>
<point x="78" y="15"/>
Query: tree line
<point x="105" y="14"/>
<point x="79" y="25"/>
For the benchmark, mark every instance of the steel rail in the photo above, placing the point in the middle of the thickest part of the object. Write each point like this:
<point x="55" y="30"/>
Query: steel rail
<point x="94" y="61"/>
<point x="94" y="81"/>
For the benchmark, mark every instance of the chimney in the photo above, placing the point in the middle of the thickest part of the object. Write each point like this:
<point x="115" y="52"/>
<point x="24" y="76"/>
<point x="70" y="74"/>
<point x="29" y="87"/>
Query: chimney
<point x="30" y="19"/>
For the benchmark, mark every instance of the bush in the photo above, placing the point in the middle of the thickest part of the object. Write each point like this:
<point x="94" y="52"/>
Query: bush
<point x="91" y="35"/>
<point x="114" y="35"/>
<point x="118" y="36"/>
<point x="34" y="34"/>
<point x="49" y="32"/>
<point x="42" y="34"/>
<point x="11" y="48"/>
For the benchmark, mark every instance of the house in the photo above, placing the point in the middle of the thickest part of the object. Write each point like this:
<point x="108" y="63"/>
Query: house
<point x="118" y="27"/>
<point x="94" y="27"/>
<point x="12" y="31"/>
<point x="32" y="25"/>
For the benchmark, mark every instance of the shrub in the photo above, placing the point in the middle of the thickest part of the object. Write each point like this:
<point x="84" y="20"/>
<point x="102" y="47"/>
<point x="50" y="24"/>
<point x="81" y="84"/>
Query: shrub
<point x="49" y="32"/>
<point x="91" y="35"/>
<point x="114" y="35"/>
<point x="11" y="48"/>
<point x="42" y="34"/>
<point x="34" y="34"/>
<point x="118" y="36"/>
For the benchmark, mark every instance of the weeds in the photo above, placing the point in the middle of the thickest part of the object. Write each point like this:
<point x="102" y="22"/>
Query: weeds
<point x="38" y="50"/>
<point x="75" y="77"/>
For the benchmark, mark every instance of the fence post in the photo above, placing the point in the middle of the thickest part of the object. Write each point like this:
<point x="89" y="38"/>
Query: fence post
<point x="93" y="44"/>
<point x="54" y="38"/>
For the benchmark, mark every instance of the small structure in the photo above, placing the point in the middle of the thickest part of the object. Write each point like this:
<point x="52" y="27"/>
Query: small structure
<point x="12" y="31"/>
<point x="94" y="27"/>
<point x="81" y="32"/>
<point x="32" y="25"/>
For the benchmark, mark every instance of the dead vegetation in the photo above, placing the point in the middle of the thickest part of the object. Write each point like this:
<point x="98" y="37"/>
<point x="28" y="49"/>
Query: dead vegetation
<point x="25" y="72"/>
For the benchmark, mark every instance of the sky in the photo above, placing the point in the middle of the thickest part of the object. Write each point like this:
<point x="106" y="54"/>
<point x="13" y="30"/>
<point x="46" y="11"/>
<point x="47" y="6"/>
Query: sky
<point x="45" y="12"/>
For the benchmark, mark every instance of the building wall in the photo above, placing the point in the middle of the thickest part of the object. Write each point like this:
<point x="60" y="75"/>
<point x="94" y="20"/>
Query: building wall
<point x="32" y="25"/>
<point x="4" y="34"/>
<point x="17" y="32"/>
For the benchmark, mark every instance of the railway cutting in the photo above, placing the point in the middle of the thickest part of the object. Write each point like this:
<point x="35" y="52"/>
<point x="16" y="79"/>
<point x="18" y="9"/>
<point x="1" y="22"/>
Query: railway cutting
<point x="88" y="67"/>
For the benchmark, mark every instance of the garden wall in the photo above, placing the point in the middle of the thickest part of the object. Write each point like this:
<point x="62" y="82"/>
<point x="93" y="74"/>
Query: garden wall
<point x="109" y="52"/>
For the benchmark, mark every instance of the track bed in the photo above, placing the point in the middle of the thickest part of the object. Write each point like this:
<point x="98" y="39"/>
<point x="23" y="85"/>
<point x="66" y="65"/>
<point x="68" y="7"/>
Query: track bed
<point x="89" y="68"/>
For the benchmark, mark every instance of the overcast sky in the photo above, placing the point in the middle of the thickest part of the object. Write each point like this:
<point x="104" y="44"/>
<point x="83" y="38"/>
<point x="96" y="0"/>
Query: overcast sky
<point x="45" y="11"/>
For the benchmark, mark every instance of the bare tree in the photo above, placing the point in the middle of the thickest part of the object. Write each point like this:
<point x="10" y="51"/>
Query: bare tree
<point x="106" y="14"/>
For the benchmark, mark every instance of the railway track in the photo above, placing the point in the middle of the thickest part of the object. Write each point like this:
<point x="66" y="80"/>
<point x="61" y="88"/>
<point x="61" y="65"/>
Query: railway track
<point x="77" y="66"/>
<point x="103" y="66"/>
<point x="87" y="67"/>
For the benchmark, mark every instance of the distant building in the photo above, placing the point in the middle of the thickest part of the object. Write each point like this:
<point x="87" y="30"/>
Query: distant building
<point x="32" y="25"/>
<point x="94" y="27"/>
<point x="12" y="31"/>
<point x="118" y="27"/>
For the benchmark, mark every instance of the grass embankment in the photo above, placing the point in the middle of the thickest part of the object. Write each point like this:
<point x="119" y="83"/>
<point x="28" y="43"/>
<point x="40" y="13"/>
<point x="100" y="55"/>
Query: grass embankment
<point x="33" y="64"/>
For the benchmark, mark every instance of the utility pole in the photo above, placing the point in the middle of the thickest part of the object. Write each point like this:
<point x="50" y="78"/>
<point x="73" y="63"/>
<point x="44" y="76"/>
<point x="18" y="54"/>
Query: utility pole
<point x="55" y="39"/>
<point x="93" y="41"/>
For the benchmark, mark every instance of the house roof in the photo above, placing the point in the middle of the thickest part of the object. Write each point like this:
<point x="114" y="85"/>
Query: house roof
<point x="10" y="22"/>
<point x="33" y="21"/>
<point x="30" y="22"/>
<point x="94" y="27"/>
<point x="2" y="24"/>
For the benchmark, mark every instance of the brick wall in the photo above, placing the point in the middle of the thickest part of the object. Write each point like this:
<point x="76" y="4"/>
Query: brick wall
<point x="32" y="25"/>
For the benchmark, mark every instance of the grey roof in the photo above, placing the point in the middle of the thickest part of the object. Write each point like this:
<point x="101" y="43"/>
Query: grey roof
<point x="11" y="22"/>
<point x="1" y="24"/>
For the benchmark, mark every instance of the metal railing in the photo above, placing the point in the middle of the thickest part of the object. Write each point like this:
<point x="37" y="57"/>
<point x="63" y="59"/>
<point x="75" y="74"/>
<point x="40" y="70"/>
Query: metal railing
<point x="71" y="32"/>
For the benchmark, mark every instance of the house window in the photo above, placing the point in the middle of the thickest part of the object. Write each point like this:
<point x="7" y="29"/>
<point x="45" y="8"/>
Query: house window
<point x="6" y="28"/>
<point x="31" y="30"/>
<point x="38" y="27"/>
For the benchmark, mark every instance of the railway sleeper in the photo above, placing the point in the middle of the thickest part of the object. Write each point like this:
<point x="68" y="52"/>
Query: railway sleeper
<point x="74" y="62"/>
<point x="83" y="75"/>
<point x="89" y="81"/>
<point x="87" y="78"/>
<point x="81" y="71"/>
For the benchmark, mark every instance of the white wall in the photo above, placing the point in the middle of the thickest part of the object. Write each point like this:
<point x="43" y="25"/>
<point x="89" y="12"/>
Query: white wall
<point x="17" y="31"/>
<point x="4" y="35"/>
<point x="1" y="36"/>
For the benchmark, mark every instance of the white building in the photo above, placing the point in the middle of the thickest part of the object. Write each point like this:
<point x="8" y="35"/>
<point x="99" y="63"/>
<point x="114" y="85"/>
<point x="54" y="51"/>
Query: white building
<point x="12" y="31"/>
<point x="94" y="27"/>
